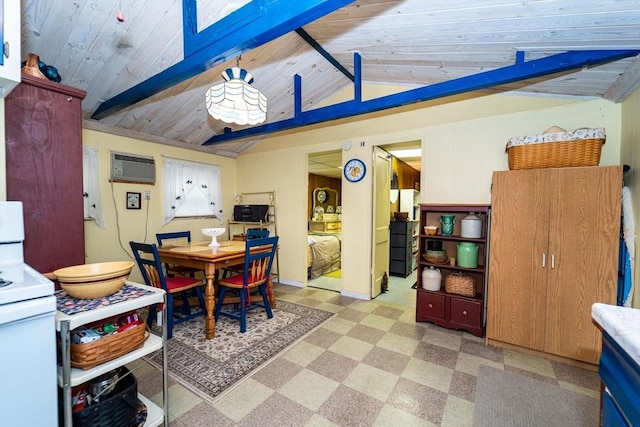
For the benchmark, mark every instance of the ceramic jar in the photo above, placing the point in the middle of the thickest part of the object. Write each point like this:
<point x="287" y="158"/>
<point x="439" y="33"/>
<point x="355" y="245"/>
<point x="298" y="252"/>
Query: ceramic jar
<point x="467" y="255"/>
<point x="471" y="226"/>
<point x="446" y="224"/>
<point x="431" y="279"/>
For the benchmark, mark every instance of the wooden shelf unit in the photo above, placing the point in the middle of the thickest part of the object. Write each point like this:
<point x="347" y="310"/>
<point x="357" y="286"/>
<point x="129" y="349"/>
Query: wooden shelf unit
<point x="451" y="310"/>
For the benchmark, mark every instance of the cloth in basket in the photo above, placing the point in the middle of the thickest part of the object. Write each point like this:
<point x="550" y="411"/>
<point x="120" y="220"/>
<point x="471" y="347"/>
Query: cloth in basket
<point x="88" y="355"/>
<point x="578" y="147"/>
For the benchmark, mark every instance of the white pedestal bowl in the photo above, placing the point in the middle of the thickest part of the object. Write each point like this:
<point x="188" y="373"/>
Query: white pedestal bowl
<point x="214" y="233"/>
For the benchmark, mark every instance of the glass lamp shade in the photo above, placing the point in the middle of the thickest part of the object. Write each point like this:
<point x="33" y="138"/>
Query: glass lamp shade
<point x="235" y="101"/>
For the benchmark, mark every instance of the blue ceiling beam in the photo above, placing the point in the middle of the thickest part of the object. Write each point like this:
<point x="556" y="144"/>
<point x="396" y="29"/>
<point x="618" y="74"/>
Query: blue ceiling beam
<point x="521" y="70"/>
<point x="252" y="25"/>
<point x="314" y="44"/>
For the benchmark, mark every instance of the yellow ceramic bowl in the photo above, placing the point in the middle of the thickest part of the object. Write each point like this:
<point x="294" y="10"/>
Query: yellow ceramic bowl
<point x="430" y="230"/>
<point x="88" y="281"/>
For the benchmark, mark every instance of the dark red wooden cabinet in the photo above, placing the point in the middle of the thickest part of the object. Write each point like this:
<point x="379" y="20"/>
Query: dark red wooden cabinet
<point x="43" y="128"/>
<point x="442" y="308"/>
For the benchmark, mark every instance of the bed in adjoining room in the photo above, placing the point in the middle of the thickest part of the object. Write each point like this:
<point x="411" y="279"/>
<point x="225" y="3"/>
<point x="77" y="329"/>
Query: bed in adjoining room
<point x="323" y="253"/>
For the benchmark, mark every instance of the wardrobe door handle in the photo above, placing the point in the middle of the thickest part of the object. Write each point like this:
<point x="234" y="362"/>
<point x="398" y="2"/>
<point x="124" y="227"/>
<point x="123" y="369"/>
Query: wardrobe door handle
<point x="544" y="260"/>
<point x="553" y="261"/>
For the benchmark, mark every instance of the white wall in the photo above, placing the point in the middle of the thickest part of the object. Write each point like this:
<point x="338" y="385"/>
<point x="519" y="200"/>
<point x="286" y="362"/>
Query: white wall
<point x="463" y="143"/>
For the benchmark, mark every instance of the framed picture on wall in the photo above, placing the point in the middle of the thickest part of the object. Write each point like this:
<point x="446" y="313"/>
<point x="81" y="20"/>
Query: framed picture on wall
<point x="133" y="200"/>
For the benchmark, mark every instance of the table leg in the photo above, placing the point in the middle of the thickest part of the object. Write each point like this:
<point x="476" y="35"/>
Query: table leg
<point x="210" y="303"/>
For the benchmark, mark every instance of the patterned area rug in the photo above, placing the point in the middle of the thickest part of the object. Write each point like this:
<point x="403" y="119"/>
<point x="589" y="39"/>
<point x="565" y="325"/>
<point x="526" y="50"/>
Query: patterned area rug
<point x="209" y="367"/>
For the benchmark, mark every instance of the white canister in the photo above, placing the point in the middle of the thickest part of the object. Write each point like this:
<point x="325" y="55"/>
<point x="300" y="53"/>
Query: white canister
<point x="431" y="279"/>
<point x="471" y="226"/>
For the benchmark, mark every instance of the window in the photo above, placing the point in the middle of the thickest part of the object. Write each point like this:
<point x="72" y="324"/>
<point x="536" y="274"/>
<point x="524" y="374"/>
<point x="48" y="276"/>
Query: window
<point x="91" y="186"/>
<point x="191" y="189"/>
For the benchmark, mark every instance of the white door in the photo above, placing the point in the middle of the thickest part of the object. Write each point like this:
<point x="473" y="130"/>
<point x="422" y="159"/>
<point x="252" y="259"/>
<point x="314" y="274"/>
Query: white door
<point x="381" y="191"/>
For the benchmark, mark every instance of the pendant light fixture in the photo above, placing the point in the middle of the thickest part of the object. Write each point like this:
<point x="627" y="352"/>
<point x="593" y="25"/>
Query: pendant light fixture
<point x="235" y="100"/>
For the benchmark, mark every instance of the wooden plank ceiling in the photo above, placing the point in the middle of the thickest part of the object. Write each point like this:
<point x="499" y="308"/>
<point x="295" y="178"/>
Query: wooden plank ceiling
<point x="409" y="43"/>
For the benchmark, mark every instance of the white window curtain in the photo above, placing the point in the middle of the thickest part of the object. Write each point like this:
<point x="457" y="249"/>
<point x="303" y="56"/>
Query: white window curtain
<point x="180" y="177"/>
<point x="91" y="186"/>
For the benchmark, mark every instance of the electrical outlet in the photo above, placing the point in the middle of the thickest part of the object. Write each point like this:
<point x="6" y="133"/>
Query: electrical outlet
<point x="147" y="195"/>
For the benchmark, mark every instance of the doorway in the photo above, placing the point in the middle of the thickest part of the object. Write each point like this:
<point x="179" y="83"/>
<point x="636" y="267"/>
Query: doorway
<point x="405" y="179"/>
<point x="324" y="220"/>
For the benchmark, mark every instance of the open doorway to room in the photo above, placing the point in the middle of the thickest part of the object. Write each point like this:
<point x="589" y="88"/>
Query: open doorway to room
<point x="324" y="220"/>
<point x="404" y="235"/>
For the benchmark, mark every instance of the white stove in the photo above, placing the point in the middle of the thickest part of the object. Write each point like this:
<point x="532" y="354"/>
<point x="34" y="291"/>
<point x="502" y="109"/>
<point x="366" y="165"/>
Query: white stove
<point x="27" y="331"/>
<point x="21" y="282"/>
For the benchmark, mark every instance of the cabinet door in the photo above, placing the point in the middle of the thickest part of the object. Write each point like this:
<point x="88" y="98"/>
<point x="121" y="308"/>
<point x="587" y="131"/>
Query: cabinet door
<point x="582" y="257"/>
<point x="44" y="170"/>
<point x="519" y="238"/>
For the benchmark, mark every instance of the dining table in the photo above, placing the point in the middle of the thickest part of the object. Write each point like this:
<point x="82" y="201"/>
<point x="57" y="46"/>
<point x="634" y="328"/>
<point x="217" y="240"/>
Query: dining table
<point x="210" y="259"/>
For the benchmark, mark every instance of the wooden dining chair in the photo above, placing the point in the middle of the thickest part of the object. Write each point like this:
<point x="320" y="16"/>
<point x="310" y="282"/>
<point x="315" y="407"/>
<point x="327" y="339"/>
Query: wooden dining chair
<point x="256" y="233"/>
<point x="256" y="274"/>
<point x="177" y="270"/>
<point x="251" y="233"/>
<point x="150" y="266"/>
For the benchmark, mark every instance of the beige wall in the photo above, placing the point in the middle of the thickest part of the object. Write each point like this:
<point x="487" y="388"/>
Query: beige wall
<point x="124" y="225"/>
<point x="467" y="135"/>
<point x="630" y="155"/>
<point x="458" y="158"/>
<point x="463" y="143"/>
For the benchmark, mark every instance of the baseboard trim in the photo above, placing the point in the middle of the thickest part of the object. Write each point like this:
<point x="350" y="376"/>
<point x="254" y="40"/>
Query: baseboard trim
<point x="544" y="355"/>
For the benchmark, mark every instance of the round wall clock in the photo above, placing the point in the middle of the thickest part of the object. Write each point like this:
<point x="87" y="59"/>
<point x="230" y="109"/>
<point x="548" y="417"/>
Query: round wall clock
<point x="354" y="170"/>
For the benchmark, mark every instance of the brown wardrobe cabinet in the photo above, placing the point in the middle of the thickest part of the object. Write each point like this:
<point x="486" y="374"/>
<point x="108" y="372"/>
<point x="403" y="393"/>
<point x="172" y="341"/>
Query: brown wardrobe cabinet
<point x="44" y="170"/>
<point x="554" y="252"/>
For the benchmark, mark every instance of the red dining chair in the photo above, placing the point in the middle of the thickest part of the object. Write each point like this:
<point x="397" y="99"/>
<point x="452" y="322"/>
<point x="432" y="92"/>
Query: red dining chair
<point x="256" y="274"/>
<point x="150" y="266"/>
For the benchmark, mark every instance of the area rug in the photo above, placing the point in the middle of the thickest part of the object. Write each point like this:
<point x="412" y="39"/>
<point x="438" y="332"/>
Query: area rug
<point x="508" y="399"/>
<point x="209" y="367"/>
<point x="335" y="274"/>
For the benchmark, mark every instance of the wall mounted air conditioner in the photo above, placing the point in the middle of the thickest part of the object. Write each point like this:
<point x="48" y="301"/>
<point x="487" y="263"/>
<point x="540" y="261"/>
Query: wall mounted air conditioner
<point x="132" y="168"/>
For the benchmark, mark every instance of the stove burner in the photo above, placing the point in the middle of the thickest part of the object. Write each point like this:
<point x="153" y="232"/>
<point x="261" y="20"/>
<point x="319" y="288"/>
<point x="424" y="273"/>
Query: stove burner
<point x="4" y="283"/>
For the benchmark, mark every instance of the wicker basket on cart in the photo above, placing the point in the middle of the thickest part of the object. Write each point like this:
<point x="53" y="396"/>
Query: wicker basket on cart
<point x="579" y="147"/>
<point x="461" y="284"/>
<point x="90" y="354"/>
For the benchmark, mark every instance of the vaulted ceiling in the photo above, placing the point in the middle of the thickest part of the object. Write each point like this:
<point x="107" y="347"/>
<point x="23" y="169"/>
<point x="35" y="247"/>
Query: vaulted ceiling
<point x="409" y="43"/>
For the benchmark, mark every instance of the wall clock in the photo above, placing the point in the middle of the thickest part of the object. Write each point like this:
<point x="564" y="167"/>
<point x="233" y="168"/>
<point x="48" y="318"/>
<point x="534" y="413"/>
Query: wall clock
<point x="354" y="170"/>
<point x="133" y="200"/>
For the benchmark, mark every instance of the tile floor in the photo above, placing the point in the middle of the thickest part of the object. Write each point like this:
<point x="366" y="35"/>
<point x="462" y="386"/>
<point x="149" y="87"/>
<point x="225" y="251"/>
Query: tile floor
<point x="370" y="365"/>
